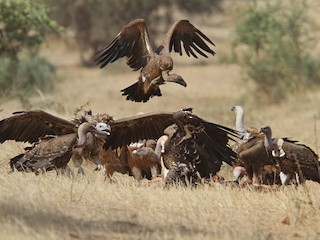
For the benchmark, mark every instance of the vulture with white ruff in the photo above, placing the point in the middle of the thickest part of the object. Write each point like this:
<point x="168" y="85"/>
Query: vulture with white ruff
<point x="251" y="154"/>
<point x="54" y="139"/>
<point x="194" y="144"/>
<point x="133" y="43"/>
<point x="297" y="162"/>
<point x="55" y="152"/>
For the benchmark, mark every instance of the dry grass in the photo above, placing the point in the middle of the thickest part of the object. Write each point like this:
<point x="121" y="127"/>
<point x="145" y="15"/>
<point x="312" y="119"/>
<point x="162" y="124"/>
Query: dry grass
<point x="51" y="207"/>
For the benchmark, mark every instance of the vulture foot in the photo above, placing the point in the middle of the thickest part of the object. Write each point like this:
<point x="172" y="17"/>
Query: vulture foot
<point x="187" y="136"/>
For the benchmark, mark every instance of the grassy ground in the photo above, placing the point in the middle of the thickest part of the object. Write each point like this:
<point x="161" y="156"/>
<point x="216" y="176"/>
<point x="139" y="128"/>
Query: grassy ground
<point x="54" y="207"/>
<point x="51" y="207"/>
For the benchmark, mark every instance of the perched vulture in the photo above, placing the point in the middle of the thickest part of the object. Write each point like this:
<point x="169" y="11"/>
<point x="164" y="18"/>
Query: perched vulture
<point x="133" y="43"/>
<point x="197" y="144"/>
<point x="41" y="128"/>
<point x="252" y="155"/>
<point x="294" y="159"/>
<point x="54" y="152"/>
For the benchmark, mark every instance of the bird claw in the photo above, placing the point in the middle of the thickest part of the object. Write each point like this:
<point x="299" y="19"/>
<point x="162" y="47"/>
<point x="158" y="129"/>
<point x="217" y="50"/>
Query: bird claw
<point x="187" y="136"/>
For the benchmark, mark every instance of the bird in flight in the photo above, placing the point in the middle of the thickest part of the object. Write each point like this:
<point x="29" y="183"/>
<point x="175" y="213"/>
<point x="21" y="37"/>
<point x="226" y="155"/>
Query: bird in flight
<point x="133" y="43"/>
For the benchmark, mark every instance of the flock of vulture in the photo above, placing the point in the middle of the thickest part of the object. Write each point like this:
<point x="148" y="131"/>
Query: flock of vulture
<point x="174" y="147"/>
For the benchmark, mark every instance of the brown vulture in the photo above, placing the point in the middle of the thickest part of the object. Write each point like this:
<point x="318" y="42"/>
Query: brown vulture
<point x="194" y="144"/>
<point x="251" y="154"/>
<point x="297" y="162"/>
<point x="133" y="43"/>
<point x="54" y="139"/>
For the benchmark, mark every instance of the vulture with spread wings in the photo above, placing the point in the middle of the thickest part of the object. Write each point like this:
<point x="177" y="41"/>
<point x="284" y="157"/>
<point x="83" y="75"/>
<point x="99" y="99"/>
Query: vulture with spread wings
<point x="195" y="142"/>
<point x="54" y="139"/>
<point x="133" y="42"/>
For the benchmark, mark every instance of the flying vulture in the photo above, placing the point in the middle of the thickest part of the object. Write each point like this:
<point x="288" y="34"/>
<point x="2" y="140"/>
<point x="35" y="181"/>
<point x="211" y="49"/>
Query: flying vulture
<point x="133" y="43"/>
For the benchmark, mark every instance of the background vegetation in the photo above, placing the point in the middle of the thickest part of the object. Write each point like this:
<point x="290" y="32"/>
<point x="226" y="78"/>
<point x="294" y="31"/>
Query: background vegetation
<point x="51" y="207"/>
<point x="23" y="27"/>
<point x="279" y="39"/>
<point x="273" y="41"/>
<point x="95" y="21"/>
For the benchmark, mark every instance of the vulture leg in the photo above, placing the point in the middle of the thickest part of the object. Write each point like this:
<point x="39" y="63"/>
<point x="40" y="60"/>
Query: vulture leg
<point x="187" y="135"/>
<point x="64" y="171"/>
<point x="249" y="170"/>
<point x="77" y="160"/>
<point x="137" y="174"/>
<point x="164" y="170"/>
<point x="156" y="81"/>
<point x="97" y="161"/>
<point x="256" y="180"/>
<point x="154" y="171"/>
<point x="284" y="178"/>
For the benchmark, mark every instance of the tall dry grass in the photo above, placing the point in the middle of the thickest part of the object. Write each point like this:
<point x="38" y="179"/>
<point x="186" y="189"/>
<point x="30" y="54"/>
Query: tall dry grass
<point x="52" y="207"/>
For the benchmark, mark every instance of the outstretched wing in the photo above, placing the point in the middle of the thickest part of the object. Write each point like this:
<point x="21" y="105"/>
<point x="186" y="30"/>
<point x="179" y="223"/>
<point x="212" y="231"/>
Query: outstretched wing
<point x="151" y="126"/>
<point x="146" y="126"/>
<point x="131" y="42"/>
<point x="29" y="126"/>
<point x="190" y="36"/>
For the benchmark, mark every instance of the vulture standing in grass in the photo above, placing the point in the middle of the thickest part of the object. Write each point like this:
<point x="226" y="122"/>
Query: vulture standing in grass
<point x="194" y="146"/>
<point x="129" y="160"/>
<point x="54" y="139"/>
<point x="297" y="162"/>
<point x="133" y="43"/>
<point x="143" y="159"/>
<point x="55" y="152"/>
<point x="251" y="154"/>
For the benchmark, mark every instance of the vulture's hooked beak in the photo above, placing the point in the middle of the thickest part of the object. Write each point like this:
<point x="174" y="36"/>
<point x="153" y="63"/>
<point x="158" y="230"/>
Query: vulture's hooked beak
<point x="175" y="78"/>
<point x="103" y="128"/>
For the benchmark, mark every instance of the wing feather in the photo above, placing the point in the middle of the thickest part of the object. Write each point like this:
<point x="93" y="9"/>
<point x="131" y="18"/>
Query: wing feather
<point x="131" y="42"/>
<point x="29" y="126"/>
<point x="191" y="37"/>
<point x="147" y="126"/>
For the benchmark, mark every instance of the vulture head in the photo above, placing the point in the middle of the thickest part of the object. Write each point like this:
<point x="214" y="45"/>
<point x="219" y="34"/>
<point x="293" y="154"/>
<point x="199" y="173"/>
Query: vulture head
<point x="266" y="130"/>
<point x="238" y="173"/>
<point x="237" y="109"/>
<point x="103" y="128"/>
<point x="175" y="78"/>
<point x="279" y="152"/>
<point x="84" y="128"/>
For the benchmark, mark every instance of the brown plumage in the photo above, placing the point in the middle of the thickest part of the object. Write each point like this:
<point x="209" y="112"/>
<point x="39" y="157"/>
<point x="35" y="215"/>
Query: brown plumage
<point x="114" y="161"/>
<point x="295" y="159"/>
<point x="200" y="144"/>
<point x="133" y="43"/>
<point x="54" y="152"/>
<point x="259" y="165"/>
<point x="140" y="160"/>
<point x="30" y="126"/>
<point x="94" y="147"/>
<point x="137" y="159"/>
<point x="254" y="155"/>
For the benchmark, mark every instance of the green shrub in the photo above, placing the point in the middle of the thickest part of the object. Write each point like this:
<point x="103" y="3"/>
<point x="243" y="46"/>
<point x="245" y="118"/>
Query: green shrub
<point x="22" y="78"/>
<point x="23" y="27"/>
<point x="278" y="41"/>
